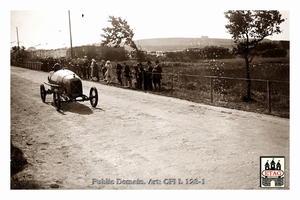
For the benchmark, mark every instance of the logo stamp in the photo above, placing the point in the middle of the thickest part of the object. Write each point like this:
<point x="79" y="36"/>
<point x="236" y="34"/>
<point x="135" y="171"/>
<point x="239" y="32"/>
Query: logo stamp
<point x="272" y="171"/>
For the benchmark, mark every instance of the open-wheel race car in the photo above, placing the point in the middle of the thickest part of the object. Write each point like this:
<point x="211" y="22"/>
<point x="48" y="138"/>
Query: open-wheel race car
<point x="66" y="86"/>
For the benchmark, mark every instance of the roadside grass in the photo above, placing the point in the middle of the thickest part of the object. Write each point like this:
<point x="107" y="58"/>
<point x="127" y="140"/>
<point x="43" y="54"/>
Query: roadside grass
<point x="190" y="81"/>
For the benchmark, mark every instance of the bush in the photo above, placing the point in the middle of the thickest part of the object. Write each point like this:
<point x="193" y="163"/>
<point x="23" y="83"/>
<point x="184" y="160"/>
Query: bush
<point x="208" y="52"/>
<point x="114" y="55"/>
<point x="274" y="53"/>
<point x="191" y="86"/>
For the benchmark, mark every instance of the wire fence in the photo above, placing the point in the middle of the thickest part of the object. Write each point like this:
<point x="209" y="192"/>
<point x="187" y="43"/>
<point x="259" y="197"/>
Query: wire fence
<point x="267" y="94"/>
<point x="28" y="65"/>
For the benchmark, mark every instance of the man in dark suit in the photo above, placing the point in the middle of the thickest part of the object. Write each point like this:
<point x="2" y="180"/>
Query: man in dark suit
<point x="156" y="75"/>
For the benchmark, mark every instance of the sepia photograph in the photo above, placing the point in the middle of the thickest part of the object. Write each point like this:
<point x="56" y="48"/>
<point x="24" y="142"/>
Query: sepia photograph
<point x="149" y="96"/>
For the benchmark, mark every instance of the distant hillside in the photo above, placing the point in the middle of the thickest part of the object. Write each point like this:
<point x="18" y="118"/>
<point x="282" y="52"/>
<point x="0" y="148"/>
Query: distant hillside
<point x="175" y="44"/>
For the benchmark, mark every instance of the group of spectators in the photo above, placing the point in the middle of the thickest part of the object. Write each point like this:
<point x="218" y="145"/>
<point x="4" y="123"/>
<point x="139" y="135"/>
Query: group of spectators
<point x="48" y="63"/>
<point x="82" y="67"/>
<point x="136" y="76"/>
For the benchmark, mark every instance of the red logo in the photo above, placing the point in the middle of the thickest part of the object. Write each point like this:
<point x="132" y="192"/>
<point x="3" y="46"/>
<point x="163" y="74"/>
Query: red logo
<point x="272" y="173"/>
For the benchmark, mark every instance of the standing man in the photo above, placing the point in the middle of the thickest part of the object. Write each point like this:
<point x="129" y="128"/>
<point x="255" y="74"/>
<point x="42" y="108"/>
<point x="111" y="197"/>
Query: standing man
<point x="149" y="75"/>
<point x="84" y="67"/>
<point x="157" y="70"/>
<point x="103" y="68"/>
<point x="119" y="72"/>
<point x="127" y="75"/>
<point x="87" y="68"/>
<point x="109" y="72"/>
<point x="140" y="75"/>
<point x="94" y="71"/>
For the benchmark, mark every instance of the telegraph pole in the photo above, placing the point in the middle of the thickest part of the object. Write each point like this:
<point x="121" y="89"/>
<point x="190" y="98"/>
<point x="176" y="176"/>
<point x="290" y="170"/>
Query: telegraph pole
<point x="70" y="34"/>
<point x="18" y="43"/>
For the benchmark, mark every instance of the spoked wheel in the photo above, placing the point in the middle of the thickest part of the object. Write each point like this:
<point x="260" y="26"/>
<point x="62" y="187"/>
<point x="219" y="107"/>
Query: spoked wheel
<point x="93" y="97"/>
<point x="43" y="93"/>
<point x="56" y="100"/>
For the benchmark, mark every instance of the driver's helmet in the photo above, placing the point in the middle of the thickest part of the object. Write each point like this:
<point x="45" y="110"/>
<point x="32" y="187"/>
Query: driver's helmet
<point x="56" y="67"/>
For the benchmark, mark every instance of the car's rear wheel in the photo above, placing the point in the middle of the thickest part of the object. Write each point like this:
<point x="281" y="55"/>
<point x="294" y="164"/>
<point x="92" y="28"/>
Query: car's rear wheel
<point x="43" y="92"/>
<point x="93" y="97"/>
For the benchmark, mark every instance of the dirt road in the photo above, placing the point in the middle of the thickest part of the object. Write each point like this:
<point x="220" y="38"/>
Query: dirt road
<point x="137" y="140"/>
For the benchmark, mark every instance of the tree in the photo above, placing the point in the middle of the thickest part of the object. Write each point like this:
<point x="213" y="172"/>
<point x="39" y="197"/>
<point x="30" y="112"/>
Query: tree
<point x="19" y="53"/>
<point x="248" y="28"/>
<point x="118" y="33"/>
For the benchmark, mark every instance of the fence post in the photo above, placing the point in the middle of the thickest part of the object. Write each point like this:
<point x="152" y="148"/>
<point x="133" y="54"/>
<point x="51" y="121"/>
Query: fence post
<point x="143" y="82"/>
<point x="211" y="90"/>
<point x="268" y="96"/>
<point x="172" y="84"/>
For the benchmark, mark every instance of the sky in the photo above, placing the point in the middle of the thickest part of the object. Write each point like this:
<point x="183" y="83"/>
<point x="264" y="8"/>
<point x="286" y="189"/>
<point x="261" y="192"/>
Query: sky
<point x="49" y="28"/>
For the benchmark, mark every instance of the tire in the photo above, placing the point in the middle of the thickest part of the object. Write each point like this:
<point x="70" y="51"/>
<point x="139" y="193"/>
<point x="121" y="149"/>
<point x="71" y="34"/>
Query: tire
<point x="56" y="100"/>
<point x="43" y="93"/>
<point x="93" y="97"/>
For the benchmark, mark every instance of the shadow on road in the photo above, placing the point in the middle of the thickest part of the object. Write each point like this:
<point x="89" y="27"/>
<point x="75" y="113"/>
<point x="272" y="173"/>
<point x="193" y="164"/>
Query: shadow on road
<point x="17" y="164"/>
<point x="76" y="107"/>
<point x="18" y="161"/>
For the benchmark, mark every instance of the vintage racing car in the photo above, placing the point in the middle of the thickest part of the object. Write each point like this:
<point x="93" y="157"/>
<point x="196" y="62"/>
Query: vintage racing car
<point x="66" y="86"/>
